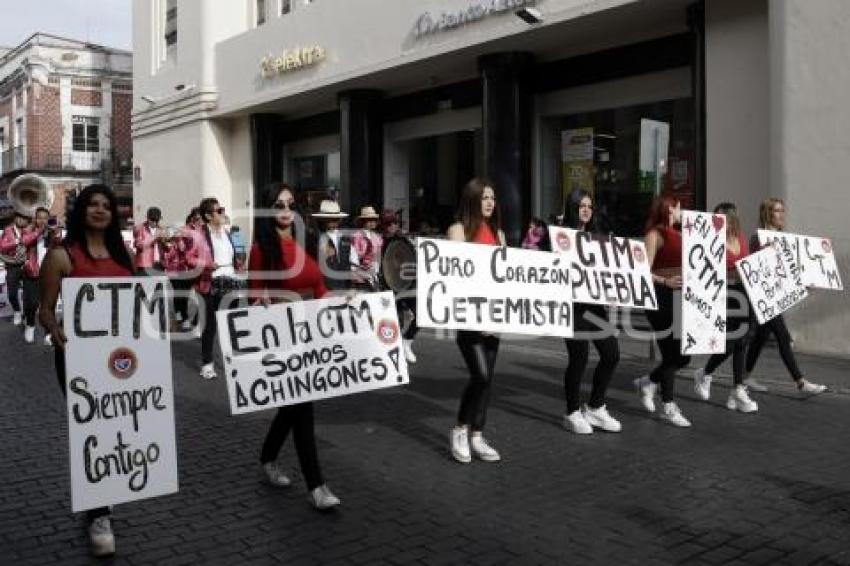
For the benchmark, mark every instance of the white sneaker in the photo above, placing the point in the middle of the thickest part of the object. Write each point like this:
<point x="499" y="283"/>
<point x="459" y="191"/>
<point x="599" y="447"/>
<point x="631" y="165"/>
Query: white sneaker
<point x="408" y="351"/>
<point x="208" y="371"/>
<point x="739" y="400"/>
<point x="810" y="388"/>
<point x="322" y="498"/>
<point x="101" y="539"/>
<point x="29" y="334"/>
<point x="274" y="475"/>
<point x="670" y="412"/>
<point x="459" y="441"/>
<point x="599" y="418"/>
<point x="755" y="385"/>
<point x="576" y="422"/>
<point x="17" y="319"/>
<point x="48" y="340"/>
<point x="482" y="450"/>
<point x="702" y="384"/>
<point x="647" y="390"/>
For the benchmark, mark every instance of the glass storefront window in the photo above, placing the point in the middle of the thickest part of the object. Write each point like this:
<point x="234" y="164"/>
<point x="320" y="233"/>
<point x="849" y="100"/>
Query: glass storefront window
<point x="602" y="155"/>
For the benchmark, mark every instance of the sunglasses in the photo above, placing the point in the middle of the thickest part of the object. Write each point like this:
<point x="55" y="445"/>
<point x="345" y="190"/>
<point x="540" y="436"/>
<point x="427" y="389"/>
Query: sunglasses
<point x="281" y="205"/>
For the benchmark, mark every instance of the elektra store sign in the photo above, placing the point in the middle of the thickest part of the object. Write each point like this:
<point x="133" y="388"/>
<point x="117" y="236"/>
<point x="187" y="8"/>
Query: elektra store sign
<point x="292" y="60"/>
<point x="430" y="24"/>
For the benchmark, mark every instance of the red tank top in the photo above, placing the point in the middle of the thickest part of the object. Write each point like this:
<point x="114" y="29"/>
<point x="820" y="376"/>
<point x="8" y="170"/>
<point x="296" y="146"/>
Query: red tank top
<point x="485" y="235"/>
<point x="670" y="254"/>
<point x="85" y="266"/>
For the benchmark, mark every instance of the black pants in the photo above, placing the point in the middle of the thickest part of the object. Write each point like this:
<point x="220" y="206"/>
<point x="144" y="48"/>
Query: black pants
<point x="479" y="352"/>
<point x="14" y="279"/>
<point x="578" y="349"/>
<point x="407" y="304"/>
<point x="299" y="419"/>
<point x="59" y="362"/>
<point x="212" y="302"/>
<point x="672" y="359"/>
<point x="783" y="341"/>
<point x="181" y="287"/>
<point x="736" y="346"/>
<point x="31" y="297"/>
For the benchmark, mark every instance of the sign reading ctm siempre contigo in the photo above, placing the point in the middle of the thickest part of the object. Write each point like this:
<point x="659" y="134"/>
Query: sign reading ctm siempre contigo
<point x="286" y="354"/>
<point x="119" y="390"/>
<point x="813" y="254"/>
<point x="465" y="286"/>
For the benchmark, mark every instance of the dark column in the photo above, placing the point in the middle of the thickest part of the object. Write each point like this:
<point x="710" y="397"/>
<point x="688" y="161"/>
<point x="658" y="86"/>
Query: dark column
<point x="506" y="119"/>
<point x="268" y="151"/>
<point x="361" y="149"/>
<point x="696" y="21"/>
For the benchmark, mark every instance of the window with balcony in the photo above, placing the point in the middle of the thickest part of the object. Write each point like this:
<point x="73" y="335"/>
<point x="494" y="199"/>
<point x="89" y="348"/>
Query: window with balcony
<point x="260" y="8"/>
<point x="85" y="136"/>
<point x="285" y="7"/>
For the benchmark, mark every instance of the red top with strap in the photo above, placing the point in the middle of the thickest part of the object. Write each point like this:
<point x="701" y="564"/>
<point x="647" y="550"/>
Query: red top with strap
<point x="485" y="235"/>
<point x="308" y="278"/>
<point x="743" y="251"/>
<point x="85" y="266"/>
<point x="670" y="254"/>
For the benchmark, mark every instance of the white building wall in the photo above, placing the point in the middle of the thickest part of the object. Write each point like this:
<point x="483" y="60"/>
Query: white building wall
<point x="738" y="108"/>
<point x="809" y="43"/>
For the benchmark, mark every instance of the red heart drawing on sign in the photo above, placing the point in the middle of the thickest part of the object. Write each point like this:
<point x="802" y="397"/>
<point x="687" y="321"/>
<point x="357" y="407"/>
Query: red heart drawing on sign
<point x="827" y="247"/>
<point x="563" y="241"/>
<point x="719" y="222"/>
<point x="637" y="251"/>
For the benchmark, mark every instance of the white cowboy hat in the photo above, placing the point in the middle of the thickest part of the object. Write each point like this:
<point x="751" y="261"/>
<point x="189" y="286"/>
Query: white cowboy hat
<point x="368" y="213"/>
<point x="329" y="209"/>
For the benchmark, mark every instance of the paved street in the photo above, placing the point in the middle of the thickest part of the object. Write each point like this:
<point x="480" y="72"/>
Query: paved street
<point x="771" y="488"/>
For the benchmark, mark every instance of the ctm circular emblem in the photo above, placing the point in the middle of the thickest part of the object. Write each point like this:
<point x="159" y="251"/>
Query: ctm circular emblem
<point x="123" y="363"/>
<point x="388" y="331"/>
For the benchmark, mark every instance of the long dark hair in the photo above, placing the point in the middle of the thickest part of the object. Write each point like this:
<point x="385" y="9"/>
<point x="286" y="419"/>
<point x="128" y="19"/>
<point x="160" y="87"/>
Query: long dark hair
<point x="76" y="226"/>
<point x="573" y="218"/>
<point x="659" y="213"/>
<point x="265" y="228"/>
<point x="469" y="208"/>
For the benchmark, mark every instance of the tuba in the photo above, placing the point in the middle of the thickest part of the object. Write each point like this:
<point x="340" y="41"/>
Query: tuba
<point x="29" y="192"/>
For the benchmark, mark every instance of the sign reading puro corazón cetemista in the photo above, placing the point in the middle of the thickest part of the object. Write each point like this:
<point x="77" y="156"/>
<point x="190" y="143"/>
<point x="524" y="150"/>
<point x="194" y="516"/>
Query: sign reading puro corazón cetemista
<point x="466" y="286"/>
<point x="119" y="390"/>
<point x="291" y="353"/>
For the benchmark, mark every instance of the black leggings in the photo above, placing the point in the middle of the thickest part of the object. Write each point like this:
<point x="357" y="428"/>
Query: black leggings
<point x="182" y="287"/>
<point x="578" y="349"/>
<point x="783" y="341"/>
<point x="479" y="352"/>
<point x="212" y="302"/>
<point x="299" y="419"/>
<point x="672" y="359"/>
<point x="735" y="346"/>
<point x="59" y="362"/>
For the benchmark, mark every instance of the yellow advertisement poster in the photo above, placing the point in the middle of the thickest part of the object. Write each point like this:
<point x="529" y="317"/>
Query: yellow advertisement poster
<point x="577" y="161"/>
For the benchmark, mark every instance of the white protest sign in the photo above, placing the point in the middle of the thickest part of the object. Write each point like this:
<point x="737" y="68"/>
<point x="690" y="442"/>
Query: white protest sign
<point x="119" y="391"/>
<point x="813" y="254"/>
<point x="5" y="306"/>
<point x="703" y="283"/>
<point x="465" y="286"/>
<point x="772" y="280"/>
<point x="613" y="271"/>
<point x="291" y="353"/>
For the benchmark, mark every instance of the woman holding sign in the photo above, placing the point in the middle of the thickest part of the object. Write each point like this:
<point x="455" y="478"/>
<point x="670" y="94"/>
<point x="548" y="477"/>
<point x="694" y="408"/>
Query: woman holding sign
<point x="595" y="414"/>
<point x="277" y="251"/>
<point x="93" y="247"/>
<point x="772" y="217"/>
<point x="736" y="324"/>
<point x="664" y="252"/>
<point x="478" y="222"/>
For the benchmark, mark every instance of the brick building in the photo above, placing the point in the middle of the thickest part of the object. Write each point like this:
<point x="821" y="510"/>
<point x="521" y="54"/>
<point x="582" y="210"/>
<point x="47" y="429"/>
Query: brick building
<point x="65" y="115"/>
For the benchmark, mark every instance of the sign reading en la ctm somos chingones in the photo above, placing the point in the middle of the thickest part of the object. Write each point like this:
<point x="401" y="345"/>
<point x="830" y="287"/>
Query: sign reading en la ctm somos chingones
<point x="429" y="24"/>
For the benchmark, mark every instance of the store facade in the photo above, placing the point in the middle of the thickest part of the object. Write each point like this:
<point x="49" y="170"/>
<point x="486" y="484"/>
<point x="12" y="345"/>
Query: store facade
<point x="402" y="102"/>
